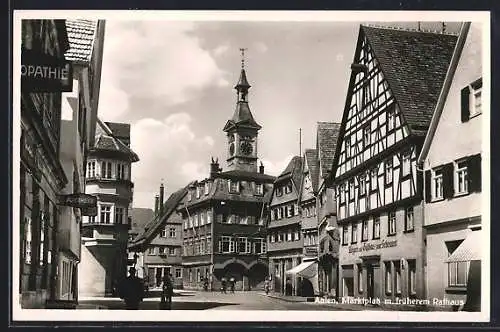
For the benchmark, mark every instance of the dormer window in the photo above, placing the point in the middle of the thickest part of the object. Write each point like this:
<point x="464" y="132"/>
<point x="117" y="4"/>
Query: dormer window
<point x="471" y="96"/>
<point x="259" y="188"/>
<point x="288" y="187"/>
<point x="198" y="192"/>
<point x="279" y="191"/>
<point x="207" y="188"/>
<point x="189" y="195"/>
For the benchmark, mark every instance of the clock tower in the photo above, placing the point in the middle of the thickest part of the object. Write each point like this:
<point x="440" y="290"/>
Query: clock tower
<point x="242" y="130"/>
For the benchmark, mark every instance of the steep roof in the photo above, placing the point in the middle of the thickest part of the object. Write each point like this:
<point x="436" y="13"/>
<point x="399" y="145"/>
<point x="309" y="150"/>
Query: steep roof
<point x="121" y="130"/>
<point x="242" y="117"/>
<point x="415" y="65"/>
<point x="328" y="133"/>
<point x="154" y="225"/>
<point x="81" y="35"/>
<point x="243" y="82"/>
<point x="112" y="144"/>
<point x="140" y="216"/>
<point x="293" y="171"/>
<point x="311" y="156"/>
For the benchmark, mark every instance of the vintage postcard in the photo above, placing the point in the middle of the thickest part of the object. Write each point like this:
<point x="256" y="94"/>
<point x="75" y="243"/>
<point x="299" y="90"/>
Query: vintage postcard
<point x="251" y="166"/>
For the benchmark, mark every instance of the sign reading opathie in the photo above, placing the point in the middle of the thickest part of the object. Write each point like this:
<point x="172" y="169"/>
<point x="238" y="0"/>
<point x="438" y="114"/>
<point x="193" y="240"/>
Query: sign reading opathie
<point x="45" y="73"/>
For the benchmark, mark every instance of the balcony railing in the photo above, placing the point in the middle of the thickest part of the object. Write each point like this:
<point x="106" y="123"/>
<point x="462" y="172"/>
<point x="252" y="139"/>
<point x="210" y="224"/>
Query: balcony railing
<point x="110" y="180"/>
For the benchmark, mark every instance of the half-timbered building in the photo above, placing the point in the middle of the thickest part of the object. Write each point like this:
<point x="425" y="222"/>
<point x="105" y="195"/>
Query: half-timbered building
<point x="396" y="79"/>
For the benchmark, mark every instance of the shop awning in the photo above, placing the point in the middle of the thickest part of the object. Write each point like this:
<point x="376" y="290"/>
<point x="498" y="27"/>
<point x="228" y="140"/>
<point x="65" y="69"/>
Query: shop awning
<point x="468" y="250"/>
<point x="306" y="269"/>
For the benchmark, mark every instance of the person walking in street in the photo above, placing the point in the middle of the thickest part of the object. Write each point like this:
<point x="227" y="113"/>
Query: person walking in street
<point x="205" y="284"/>
<point x="266" y="286"/>
<point x="131" y="290"/>
<point x="231" y="284"/>
<point x="167" y="292"/>
<point x="223" y="285"/>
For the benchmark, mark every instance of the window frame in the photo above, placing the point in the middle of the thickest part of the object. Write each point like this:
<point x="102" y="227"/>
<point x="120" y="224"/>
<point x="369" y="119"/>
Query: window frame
<point x="354" y="233"/>
<point x="376" y="222"/>
<point x="461" y="167"/>
<point x="407" y="214"/>
<point x="364" y="231"/>
<point x="437" y="177"/>
<point x="391" y="221"/>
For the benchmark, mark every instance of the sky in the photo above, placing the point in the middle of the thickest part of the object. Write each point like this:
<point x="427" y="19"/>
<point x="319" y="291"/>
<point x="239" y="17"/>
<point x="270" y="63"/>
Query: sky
<point x="173" y="81"/>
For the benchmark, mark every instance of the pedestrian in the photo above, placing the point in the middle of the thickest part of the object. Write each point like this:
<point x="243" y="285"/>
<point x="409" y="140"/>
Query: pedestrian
<point x="131" y="290"/>
<point x="205" y="284"/>
<point x="167" y="292"/>
<point x="231" y="284"/>
<point x="223" y="285"/>
<point x="266" y="286"/>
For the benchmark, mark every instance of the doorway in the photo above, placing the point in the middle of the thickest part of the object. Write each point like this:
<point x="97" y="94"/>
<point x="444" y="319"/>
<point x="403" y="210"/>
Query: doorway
<point x="370" y="281"/>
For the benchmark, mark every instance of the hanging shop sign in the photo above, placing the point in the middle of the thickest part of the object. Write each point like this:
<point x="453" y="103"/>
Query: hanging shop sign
<point x="82" y="201"/>
<point x="371" y="246"/>
<point x="89" y="211"/>
<point x="41" y="72"/>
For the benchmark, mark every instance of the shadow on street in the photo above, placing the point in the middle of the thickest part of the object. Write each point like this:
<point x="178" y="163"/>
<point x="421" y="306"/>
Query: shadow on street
<point x="152" y="305"/>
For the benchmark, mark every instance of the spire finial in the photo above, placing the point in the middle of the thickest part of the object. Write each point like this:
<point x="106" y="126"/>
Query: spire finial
<point x="242" y="50"/>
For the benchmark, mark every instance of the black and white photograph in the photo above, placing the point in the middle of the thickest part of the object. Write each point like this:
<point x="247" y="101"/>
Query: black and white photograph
<point x="251" y="166"/>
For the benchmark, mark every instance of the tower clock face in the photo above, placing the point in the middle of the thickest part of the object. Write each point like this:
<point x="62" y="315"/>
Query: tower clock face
<point x="246" y="148"/>
<point x="231" y="149"/>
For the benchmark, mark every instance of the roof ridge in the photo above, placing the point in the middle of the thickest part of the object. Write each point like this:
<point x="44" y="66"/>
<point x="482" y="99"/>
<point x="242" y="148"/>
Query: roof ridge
<point x="408" y="29"/>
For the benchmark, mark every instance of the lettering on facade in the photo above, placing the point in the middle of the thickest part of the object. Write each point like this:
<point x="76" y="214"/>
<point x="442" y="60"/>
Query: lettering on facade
<point x="82" y="201"/>
<point x="44" y="73"/>
<point x="371" y="246"/>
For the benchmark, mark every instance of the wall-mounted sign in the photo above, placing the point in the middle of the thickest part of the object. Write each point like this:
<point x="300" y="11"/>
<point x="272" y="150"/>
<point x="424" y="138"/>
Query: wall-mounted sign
<point x="41" y="72"/>
<point x="371" y="246"/>
<point x="89" y="211"/>
<point x="82" y="201"/>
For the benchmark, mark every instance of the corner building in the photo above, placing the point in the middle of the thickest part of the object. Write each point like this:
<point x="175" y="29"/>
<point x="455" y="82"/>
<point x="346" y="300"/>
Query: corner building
<point x="396" y="79"/>
<point x="224" y="215"/>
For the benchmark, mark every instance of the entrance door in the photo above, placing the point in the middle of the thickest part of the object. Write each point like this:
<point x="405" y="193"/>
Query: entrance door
<point x="370" y="278"/>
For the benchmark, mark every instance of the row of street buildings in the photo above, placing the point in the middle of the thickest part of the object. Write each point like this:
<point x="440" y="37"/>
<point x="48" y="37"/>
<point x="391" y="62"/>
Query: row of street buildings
<point x="386" y="205"/>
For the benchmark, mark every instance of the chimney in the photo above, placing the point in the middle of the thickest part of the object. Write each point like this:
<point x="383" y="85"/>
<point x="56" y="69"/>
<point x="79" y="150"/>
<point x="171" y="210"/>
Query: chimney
<point x="214" y="167"/>
<point x="261" y="168"/>
<point x="162" y="192"/>
<point x="157" y="204"/>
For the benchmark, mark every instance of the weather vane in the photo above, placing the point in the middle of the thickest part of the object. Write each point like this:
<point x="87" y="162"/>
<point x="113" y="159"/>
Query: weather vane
<point x="242" y="50"/>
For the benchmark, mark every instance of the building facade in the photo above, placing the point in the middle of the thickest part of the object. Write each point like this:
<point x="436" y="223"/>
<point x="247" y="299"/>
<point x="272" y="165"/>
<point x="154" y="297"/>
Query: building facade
<point x="104" y="237"/>
<point x="78" y="123"/>
<point x="451" y="159"/>
<point x="328" y="232"/>
<point x="42" y="176"/>
<point x="377" y="185"/>
<point x="224" y="215"/>
<point x="157" y="250"/>
<point x="285" y="240"/>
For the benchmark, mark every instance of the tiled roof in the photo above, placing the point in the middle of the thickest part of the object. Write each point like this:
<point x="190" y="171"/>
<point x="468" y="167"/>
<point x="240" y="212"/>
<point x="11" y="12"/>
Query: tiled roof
<point x="81" y="34"/>
<point x="328" y="133"/>
<point x="415" y="65"/>
<point x="312" y="164"/>
<point x="109" y="143"/>
<point x="140" y="216"/>
<point x="121" y="130"/>
<point x="293" y="171"/>
<point x="154" y="225"/>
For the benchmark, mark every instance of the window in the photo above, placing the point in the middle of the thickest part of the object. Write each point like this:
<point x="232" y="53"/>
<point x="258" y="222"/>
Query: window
<point x="360" y="279"/>
<point x="476" y="102"/>
<point x="171" y="251"/>
<point x="234" y="186"/>
<point x="163" y="232"/>
<point x="172" y="232"/>
<point x="345" y="235"/>
<point x="461" y="186"/>
<point x="280" y="213"/>
<point x="437" y="184"/>
<point x="457" y="271"/>
<point x="119" y="213"/>
<point x="106" y="169"/>
<point x="388" y="278"/>
<point x="28" y="239"/>
<point x="105" y="217"/>
<point x="296" y="235"/>
<point x="342" y="193"/>
<point x="406" y="163"/>
<point x="259" y="189"/>
<point x="178" y="273"/>
<point x="91" y="169"/>
<point x="364" y="231"/>
<point x="281" y="237"/>
<point x="209" y="217"/>
<point x="272" y="238"/>
<point x="196" y="220"/>
<point x="189" y="195"/>
<point x="388" y="171"/>
<point x="376" y="227"/>
<point x="471" y="100"/>
<point x="120" y="171"/>
<point x="366" y="136"/>
<point x="260" y="246"/>
<point x="226" y="244"/>
<point x="289" y="211"/>
<point x="390" y="120"/>
<point x="288" y="187"/>
<point x="347" y="147"/>
<point x="152" y="251"/>
<point x="289" y="235"/>
<point x="392" y="223"/>
<point x="412" y="276"/>
<point x="409" y="219"/>
<point x="296" y="209"/>
<point x="362" y="185"/>
<point x="397" y="271"/>
<point x="162" y="250"/>
<point x="354" y="236"/>
<point x="374" y="179"/>
<point x="351" y="189"/>
<point x="207" y="188"/>
<point x="242" y="245"/>
<point x="202" y="218"/>
<point x="209" y="245"/>
<point x="279" y="191"/>
<point x="198" y="192"/>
